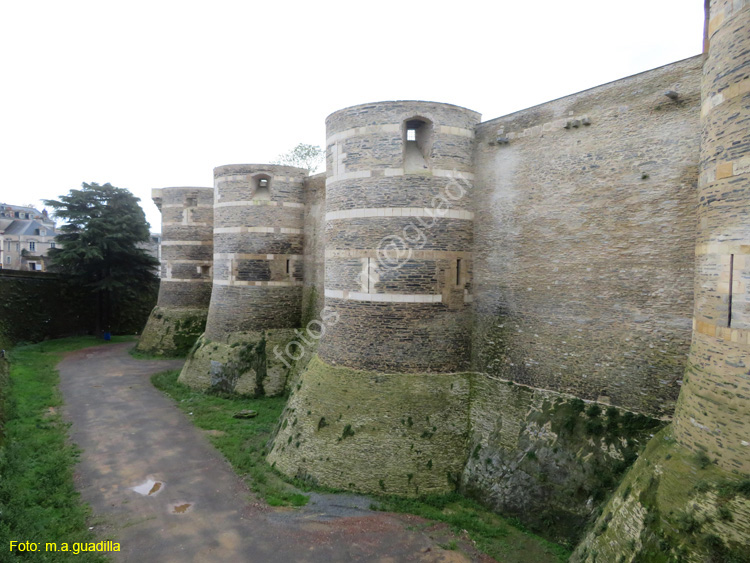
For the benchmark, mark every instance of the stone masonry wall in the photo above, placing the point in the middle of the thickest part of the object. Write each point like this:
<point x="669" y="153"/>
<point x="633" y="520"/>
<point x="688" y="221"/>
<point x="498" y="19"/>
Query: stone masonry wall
<point x="584" y="230"/>
<point x="314" y="248"/>
<point x="187" y="246"/>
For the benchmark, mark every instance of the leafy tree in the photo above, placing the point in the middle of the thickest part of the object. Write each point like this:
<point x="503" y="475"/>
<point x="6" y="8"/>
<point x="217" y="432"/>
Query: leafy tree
<point x="303" y="156"/>
<point x="99" y="250"/>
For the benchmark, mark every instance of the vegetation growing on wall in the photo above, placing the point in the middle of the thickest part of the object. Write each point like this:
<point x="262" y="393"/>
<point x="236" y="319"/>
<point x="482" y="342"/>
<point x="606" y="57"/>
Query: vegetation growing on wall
<point x="549" y="459"/>
<point x="674" y="505"/>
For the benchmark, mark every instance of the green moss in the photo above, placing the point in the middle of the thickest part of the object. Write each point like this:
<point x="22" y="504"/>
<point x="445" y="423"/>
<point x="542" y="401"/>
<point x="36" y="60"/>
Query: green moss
<point x="686" y="516"/>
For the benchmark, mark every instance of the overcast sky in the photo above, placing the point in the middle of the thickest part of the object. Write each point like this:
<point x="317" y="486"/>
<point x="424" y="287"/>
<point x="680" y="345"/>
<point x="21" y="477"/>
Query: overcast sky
<point x="155" y="94"/>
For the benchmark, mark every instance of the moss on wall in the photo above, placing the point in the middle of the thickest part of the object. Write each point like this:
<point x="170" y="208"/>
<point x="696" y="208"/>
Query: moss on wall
<point x="373" y="432"/>
<point x="244" y="365"/>
<point x="674" y="505"/>
<point x="172" y="332"/>
<point x="548" y="458"/>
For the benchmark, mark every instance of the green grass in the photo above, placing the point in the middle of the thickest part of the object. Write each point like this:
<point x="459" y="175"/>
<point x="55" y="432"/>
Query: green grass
<point x="38" y="502"/>
<point x="242" y="441"/>
<point x="502" y="539"/>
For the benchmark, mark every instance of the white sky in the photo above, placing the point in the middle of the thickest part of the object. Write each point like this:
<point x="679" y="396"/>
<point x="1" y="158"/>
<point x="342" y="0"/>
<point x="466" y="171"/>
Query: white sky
<point x="154" y="94"/>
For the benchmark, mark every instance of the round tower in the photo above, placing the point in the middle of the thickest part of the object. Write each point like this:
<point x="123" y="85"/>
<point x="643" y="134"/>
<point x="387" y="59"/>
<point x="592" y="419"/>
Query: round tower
<point x="385" y="400"/>
<point x="257" y="281"/>
<point x="712" y="411"/>
<point x="399" y="236"/>
<point x="179" y="317"/>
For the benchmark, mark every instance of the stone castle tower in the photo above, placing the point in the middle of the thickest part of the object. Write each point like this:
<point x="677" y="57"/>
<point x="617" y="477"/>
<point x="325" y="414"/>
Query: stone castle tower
<point x="712" y="412"/>
<point x="257" y="285"/>
<point x="399" y="237"/>
<point x="506" y="307"/>
<point x="187" y="258"/>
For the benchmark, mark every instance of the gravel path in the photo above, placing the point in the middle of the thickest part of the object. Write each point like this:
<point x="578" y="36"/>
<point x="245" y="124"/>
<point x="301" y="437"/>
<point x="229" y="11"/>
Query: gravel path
<point x="158" y="487"/>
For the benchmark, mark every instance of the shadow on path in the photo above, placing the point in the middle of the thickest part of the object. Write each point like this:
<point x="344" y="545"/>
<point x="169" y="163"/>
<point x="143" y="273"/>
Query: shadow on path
<point x="158" y="487"/>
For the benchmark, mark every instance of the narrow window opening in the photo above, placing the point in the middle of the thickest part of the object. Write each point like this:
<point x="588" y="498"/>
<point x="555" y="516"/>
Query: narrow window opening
<point x="731" y="281"/>
<point x="417" y="145"/>
<point x="204" y="270"/>
<point x="192" y="202"/>
<point x="288" y="266"/>
<point x="458" y="271"/>
<point x="262" y="187"/>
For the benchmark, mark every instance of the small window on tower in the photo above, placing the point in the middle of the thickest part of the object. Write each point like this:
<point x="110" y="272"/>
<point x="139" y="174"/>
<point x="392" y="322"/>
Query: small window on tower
<point x="417" y="145"/>
<point x="262" y="187"/>
<point x="192" y="202"/>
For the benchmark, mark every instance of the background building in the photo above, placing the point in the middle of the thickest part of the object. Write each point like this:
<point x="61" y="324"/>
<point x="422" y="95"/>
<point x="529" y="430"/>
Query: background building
<point x="26" y="235"/>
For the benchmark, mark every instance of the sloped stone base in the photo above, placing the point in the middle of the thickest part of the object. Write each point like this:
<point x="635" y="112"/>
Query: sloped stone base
<point x="244" y="364"/>
<point x="172" y="332"/>
<point x="673" y="505"/>
<point x="371" y="432"/>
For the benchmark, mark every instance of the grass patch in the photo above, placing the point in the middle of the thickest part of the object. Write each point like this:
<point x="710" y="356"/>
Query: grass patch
<point x="38" y="502"/>
<point x="242" y="441"/>
<point x="496" y="536"/>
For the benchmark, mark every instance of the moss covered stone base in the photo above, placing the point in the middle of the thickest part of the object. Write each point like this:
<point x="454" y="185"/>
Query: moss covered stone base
<point x="245" y="364"/>
<point x="371" y="432"/>
<point x="172" y="332"/>
<point x="548" y="458"/>
<point x="672" y="506"/>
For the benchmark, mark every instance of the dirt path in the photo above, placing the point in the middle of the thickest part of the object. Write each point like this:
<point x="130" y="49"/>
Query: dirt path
<point x="160" y="489"/>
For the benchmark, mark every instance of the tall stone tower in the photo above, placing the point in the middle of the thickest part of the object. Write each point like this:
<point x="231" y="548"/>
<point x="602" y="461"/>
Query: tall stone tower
<point x="399" y="237"/>
<point x="395" y="331"/>
<point x="712" y="411"/>
<point x="187" y="254"/>
<point x="257" y="284"/>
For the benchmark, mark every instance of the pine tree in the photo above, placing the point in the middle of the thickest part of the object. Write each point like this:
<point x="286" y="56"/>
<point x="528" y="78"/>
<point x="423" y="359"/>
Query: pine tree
<point x="98" y="250"/>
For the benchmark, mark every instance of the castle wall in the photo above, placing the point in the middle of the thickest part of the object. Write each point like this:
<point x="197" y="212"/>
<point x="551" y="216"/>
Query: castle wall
<point x="187" y="235"/>
<point x="397" y="229"/>
<point x="186" y="264"/>
<point x="686" y="497"/>
<point x="313" y="298"/>
<point x="584" y="230"/>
